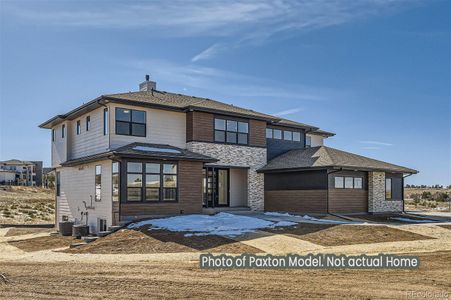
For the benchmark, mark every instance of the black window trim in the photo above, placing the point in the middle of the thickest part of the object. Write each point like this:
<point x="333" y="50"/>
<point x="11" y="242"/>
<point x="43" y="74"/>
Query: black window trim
<point x="237" y="132"/>
<point x="143" y="187"/>
<point x="353" y="182"/>
<point x="391" y="188"/>
<point x="118" y="173"/>
<point x="95" y="183"/>
<point x="88" y="122"/>
<point x="105" y="121"/>
<point x="130" y="123"/>
<point x="282" y="134"/>
<point x="63" y="129"/>
<point x="53" y="134"/>
<point x="78" y="127"/>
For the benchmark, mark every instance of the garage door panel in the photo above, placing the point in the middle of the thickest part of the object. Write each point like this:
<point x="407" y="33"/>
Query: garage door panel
<point x="300" y="201"/>
<point x="348" y="201"/>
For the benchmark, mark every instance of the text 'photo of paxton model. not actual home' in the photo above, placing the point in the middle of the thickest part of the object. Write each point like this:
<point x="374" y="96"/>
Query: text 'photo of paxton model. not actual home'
<point x="133" y="155"/>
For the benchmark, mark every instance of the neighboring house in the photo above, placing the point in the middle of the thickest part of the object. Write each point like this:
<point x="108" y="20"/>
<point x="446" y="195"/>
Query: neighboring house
<point x="128" y="156"/>
<point x="20" y="172"/>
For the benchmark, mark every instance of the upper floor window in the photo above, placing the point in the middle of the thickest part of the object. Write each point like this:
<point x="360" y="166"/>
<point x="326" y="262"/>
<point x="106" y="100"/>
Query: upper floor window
<point x="308" y="141"/>
<point x="53" y="135"/>
<point x="105" y="121"/>
<point x="286" y="135"/>
<point x="88" y="122"/>
<point x="388" y="188"/>
<point x="231" y="132"/>
<point x="63" y="130"/>
<point x="130" y="122"/>
<point x="58" y="183"/>
<point x="78" y="127"/>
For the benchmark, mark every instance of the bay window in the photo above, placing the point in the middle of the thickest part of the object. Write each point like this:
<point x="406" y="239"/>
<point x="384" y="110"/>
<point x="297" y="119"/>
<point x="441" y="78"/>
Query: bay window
<point x="160" y="182"/>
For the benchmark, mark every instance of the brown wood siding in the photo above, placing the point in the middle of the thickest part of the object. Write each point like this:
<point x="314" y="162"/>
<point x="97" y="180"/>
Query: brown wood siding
<point x="189" y="197"/>
<point x="348" y="200"/>
<point x="257" y="133"/>
<point x="298" y="201"/>
<point x="199" y="126"/>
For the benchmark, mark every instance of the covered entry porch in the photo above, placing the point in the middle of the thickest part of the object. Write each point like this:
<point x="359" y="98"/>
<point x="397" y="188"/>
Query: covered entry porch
<point x="224" y="188"/>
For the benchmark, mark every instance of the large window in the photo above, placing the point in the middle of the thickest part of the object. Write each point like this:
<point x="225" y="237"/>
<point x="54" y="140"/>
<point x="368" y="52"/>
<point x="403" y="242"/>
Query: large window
<point x="130" y="122"/>
<point x="287" y="135"/>
<point x="105" y="121"/>
<point x="115" y="181"/>
<point x="160" y="181"/>
<point x="348" y="182"/>
<point x="231" y="132"/>
<point x="388" y="188"/>
<point x="98" y="181"/>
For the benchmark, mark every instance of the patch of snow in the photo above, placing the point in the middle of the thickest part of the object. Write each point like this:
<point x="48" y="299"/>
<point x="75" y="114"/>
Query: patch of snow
<point x="412" y="220"/>
<point x="223" y="224"/>
<point x="307" y="217"/>
<point x="154" y="149"/>
<point x="278" y="214"/>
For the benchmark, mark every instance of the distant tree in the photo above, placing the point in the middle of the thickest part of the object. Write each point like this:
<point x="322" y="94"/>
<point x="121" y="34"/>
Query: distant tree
<point x="426" y="195"/>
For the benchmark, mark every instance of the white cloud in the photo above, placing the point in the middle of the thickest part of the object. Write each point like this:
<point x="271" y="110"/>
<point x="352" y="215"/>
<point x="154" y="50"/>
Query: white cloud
<point x="247" y="22"/>
<point x="229" y="83"/>
<point x="288" y="112"/>
<point x="371" y="148"/>
<point x="376" y="143"/>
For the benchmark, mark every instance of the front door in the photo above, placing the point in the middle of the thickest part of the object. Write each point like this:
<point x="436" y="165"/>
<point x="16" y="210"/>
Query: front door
<point x="216" y="187"/>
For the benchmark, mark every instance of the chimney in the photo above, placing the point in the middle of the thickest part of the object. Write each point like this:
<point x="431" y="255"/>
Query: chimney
<point x="148" y="85"/>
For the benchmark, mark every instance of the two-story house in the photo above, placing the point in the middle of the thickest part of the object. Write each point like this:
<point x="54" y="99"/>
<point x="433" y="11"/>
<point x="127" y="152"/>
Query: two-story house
<point x="127" y="156"/>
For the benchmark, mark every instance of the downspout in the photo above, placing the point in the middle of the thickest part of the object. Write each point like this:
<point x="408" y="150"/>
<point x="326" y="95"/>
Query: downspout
<point x="403" y="202"/>
<point x="327" y="190"/>
<point x="109" y="123"/>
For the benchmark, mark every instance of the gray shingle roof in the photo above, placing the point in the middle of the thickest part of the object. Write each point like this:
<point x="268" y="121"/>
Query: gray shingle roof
<point x="325" y="157"/>
<point x="144" y="150"/>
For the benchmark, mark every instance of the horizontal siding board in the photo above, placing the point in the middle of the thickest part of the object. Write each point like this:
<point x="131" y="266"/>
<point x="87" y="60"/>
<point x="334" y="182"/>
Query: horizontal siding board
<point x="348" y="200"/>
<point x="299" y="201"/>
<point x="308" y="180"/>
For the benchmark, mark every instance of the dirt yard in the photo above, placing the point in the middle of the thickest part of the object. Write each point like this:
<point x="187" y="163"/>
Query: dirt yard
<point x="186" y="280"/>
<point x="26" y="205"/>
<point x="140" y="264"/>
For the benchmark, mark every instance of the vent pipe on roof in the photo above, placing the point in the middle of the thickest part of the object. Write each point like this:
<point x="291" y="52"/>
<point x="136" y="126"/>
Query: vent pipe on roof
<point x="148" y="85"/>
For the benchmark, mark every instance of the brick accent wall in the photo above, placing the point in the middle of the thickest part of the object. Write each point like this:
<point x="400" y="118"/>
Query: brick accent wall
<point x="257" y="133"/>
<point x="199" y="126"/>
<point x="376" y="195"/>
<point x="239" y="156"/>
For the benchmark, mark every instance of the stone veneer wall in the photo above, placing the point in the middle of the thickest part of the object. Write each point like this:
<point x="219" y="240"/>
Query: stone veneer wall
<point x="239" y="156"/>
<point x="376" y="195"/>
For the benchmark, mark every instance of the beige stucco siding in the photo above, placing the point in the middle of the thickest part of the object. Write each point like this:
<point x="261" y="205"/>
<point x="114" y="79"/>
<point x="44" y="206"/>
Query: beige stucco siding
<point x="163" y="127"/>
<point x="78" y="185"/>
<point x="88" y="142"/>
<point x="317" y="140"/>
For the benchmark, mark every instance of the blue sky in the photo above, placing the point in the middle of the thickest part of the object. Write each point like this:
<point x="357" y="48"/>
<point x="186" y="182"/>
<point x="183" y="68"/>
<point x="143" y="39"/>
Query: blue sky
<point x="378" y="73"/>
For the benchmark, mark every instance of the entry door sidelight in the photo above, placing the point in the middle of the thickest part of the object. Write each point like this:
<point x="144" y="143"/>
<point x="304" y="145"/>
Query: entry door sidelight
<point x="215" y="187"/>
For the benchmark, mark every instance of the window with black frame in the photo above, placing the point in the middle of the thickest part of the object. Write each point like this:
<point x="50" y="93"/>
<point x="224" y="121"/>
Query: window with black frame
<point x="160" y="181"/>
<point x="98" y="183"/>
<point x="231" y="131"/>
<point x="115" y="181"/>
<point x="130" y="122"/>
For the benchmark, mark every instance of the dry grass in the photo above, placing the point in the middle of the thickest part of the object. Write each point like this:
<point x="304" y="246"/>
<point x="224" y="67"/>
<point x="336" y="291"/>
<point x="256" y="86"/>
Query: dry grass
<point x="26" y="205"/>
<point x="336" y="235"/>
<point x="161" y="241"/>
<point x="425" y="205"/>
<point x="44" y="243"/>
